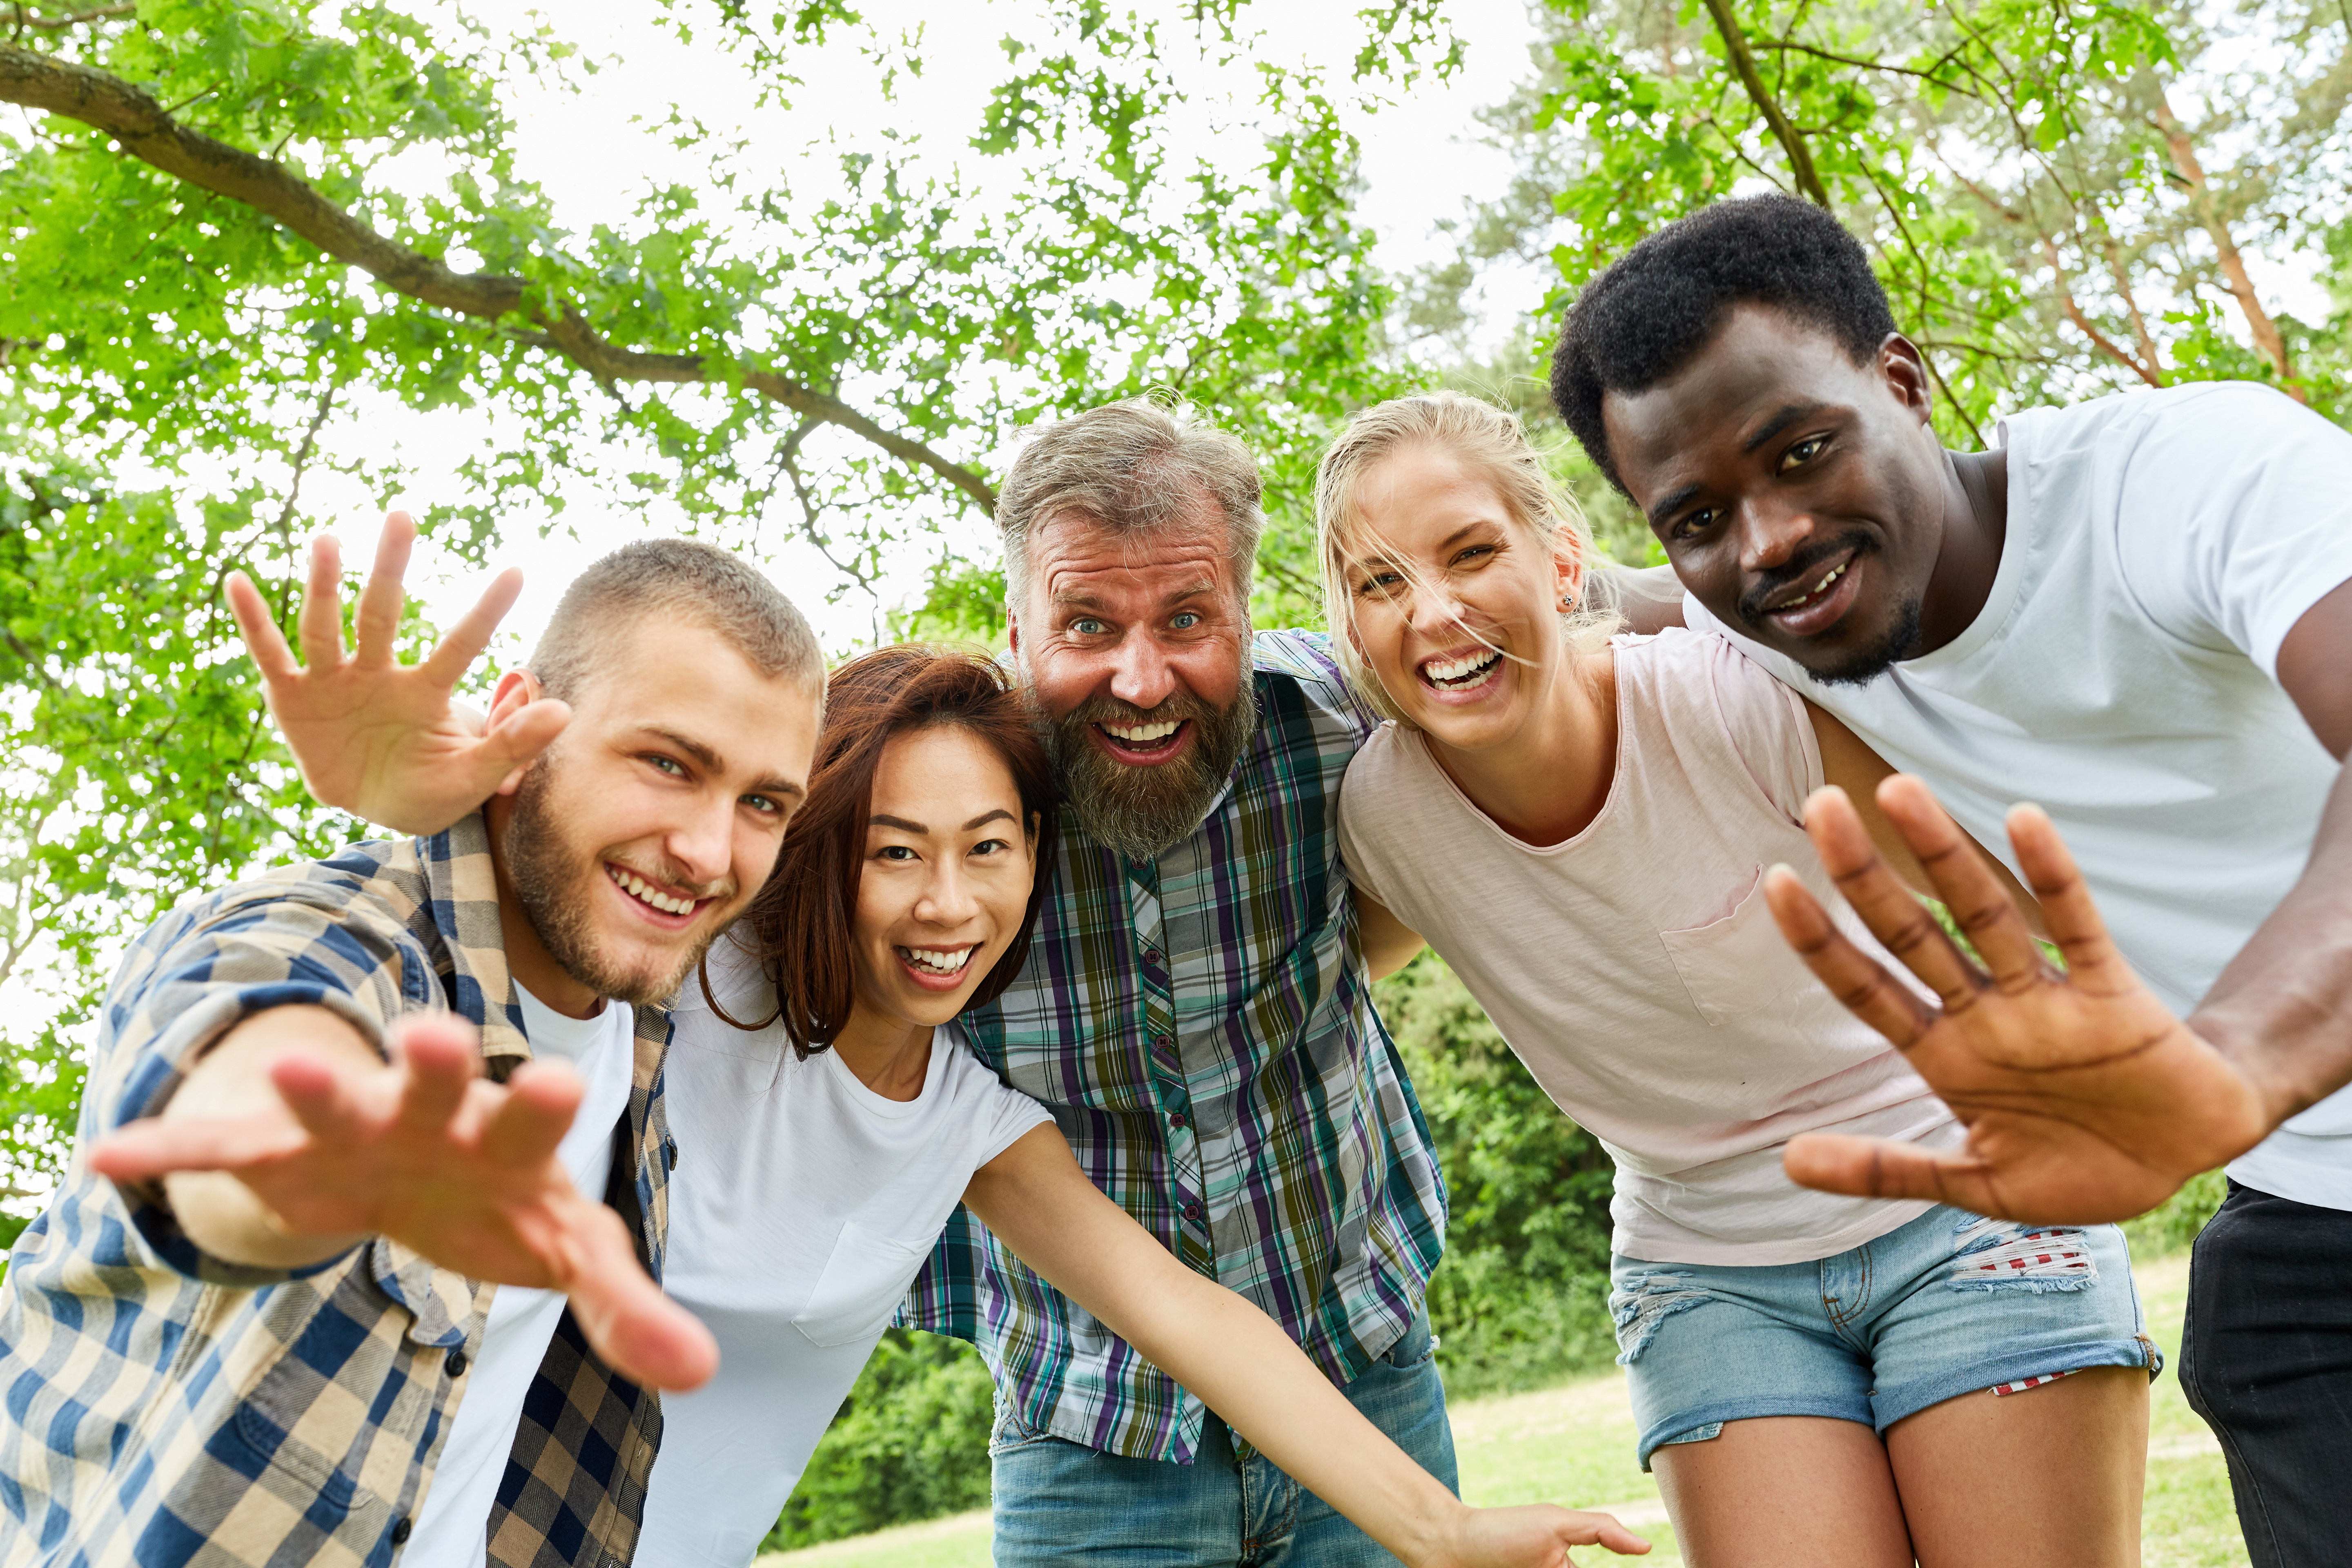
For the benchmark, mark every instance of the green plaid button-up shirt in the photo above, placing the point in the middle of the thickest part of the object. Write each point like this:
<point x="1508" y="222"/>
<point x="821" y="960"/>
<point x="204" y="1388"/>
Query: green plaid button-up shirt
<point x="1201" y="1029"/>
<point x="165" y="1408"/>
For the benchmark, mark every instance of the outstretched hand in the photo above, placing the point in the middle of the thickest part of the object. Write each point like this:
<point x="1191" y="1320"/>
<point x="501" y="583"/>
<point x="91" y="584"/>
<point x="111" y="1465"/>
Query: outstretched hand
<point x="2084" y="1098"/>
<point x="1537" y="1536"/>
<point x="372" y="736"/>
<point x="426" y="1151"/>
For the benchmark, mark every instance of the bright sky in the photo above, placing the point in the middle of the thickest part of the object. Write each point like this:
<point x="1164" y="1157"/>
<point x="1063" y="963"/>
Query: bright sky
<point x="1421" y="159"/>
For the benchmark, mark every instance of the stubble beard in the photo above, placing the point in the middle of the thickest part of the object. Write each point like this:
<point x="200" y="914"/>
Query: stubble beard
<point x="554" y="882"/>
<point x="1141" y="811"/>
<point x="1863" y="665"/>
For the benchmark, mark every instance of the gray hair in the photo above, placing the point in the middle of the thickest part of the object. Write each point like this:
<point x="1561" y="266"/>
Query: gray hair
<point x="684" y="581"/>
<point x="1134" y="468"/>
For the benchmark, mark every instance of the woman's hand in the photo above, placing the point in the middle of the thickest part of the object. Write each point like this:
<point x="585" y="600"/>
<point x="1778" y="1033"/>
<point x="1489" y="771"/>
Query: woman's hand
<point x="376" y="738"/>
<point x="1537" y="1536"/>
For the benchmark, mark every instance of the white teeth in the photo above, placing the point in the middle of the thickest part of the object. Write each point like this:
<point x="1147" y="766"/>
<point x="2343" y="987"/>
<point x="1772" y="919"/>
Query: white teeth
<point x="1460" y="671"/>
<point x="1142" y="734"/>
<point x="1814" y="592"/>
<point x="939" y="961"/>
<point x="636" y="888"/>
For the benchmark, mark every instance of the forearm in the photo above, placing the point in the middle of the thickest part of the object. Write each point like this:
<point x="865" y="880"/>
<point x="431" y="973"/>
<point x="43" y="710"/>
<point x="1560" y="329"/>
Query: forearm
<point x="1243" y="1366"/>
<point x="2282" y="1011"/>
<point x="220" y="1214"/>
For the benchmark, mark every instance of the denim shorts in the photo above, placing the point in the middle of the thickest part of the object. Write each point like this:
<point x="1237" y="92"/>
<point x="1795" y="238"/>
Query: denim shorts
<point x="1948" y="1304"/>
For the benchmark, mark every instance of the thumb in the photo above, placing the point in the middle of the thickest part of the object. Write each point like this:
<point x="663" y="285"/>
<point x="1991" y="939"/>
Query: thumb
<point x="502" y="754"/>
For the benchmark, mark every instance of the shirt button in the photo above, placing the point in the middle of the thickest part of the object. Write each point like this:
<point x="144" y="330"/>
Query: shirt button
<point x="400" y="1532"/>
<point x="455" y="1365"/>
<point x="669" y="1153"/>
<point x="1176" y="1122"/>
<point x="1193" y="1213"/>
<point x="1151" y="956"/>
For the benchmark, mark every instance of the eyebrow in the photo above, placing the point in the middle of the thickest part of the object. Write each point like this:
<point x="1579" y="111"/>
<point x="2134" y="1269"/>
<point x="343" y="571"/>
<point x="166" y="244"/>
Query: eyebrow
<point x="1363" y="562"/>
<point x="884" y="819"/>
<point x="711" y="761"/>
<point x="1080" y="599"/>
<point x="1780" y="421"/>
<point x="1673" y="502"/>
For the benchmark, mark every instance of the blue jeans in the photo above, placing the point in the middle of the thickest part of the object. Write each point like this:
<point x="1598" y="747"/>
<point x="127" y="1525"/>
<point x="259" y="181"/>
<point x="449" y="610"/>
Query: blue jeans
<point x="1061" y="1502"/>
<point x="1947" y="1305"/>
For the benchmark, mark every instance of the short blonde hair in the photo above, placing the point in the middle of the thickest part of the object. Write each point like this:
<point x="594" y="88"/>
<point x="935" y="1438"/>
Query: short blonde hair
<point x="1492" y="442"/>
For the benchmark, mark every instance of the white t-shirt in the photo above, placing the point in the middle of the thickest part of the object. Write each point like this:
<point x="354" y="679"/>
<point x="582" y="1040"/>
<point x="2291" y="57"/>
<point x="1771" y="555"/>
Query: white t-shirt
<point x="454" y="1524"/>
<point x="802" y="1207"/>
<point x="2123" y="676"/>
<point x="1635" y="967"/>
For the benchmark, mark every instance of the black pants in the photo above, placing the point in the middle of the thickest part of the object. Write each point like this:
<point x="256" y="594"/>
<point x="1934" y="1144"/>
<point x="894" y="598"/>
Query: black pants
<point x="2266" y="1359"/>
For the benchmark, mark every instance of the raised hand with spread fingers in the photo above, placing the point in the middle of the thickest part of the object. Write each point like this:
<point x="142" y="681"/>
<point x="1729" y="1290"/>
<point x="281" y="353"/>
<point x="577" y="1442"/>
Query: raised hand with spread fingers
<point x="2085" y="1098"/>
<point x="384" y="740"/>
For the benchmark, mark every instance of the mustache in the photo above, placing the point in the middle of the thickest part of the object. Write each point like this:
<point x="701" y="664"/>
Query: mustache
<point x="1177" y="706"/>
<point x="667" y="873"/>
<point x="1799" y="568"/>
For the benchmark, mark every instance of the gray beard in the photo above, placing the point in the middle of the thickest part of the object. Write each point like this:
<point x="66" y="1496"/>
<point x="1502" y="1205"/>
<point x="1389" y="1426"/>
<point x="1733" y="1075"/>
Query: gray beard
<point x="1136" y="811"/>
<point x="552" y="880"/>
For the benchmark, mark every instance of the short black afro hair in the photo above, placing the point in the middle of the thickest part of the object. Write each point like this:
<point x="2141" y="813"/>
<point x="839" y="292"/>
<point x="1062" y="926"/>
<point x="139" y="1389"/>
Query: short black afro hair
<point x="1649" y="314"/>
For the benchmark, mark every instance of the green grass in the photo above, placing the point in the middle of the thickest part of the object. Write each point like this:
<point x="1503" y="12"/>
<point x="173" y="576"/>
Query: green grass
<point x="1574" y="1444"/>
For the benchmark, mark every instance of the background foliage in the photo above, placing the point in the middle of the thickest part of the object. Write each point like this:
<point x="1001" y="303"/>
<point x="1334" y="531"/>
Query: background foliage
<point x="237" y="236"/>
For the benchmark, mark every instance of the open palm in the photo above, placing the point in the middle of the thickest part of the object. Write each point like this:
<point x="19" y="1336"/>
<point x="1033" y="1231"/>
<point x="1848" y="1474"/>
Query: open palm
<point x="426" y="1152"/>
<point x="2084" y="1098"/>
<point x="382" y="739"/>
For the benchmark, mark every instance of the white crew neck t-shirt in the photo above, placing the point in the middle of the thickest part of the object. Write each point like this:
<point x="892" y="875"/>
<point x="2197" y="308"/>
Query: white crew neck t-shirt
<point x="802" y="1207"/>
<point x="454" y="1524"/>
<point x="1635" y="967"/>
<point x="2122" y="674"/>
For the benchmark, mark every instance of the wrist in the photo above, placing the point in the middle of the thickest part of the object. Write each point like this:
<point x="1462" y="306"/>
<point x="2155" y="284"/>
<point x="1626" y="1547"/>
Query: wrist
<point x="2270" y="1093"/>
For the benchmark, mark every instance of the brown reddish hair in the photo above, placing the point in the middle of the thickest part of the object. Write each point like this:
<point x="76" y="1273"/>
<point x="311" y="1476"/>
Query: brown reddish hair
<point x="798" y="930"/>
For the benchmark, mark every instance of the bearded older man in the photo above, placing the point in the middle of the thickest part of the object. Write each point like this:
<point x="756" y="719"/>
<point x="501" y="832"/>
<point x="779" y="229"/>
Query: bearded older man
<point x="1196" y="1011"/>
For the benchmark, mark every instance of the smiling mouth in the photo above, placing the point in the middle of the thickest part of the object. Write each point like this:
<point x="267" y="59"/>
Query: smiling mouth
<point x="936" y="968"/>
<point x="645" y="893"/>
<point x="1463" y="673"/>
<point x="1145" y="744"/>
<point x="1816" y="594"/>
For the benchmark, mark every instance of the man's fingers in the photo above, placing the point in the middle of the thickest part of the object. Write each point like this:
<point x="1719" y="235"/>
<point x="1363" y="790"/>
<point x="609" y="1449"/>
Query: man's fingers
<point x="541" y="1100"/>
<point x="264" y="642"/>
<point x="152" y="1147"/>
<point x="642" y="1333"/>
<point x="319" y="1094"/>
<point x="320" y="623"/>
<point x="1852" y="975"/>
<point x="1883" y="1168"/>
<point x="1979" y="904"/>
<point x="380" y="601"/>
<point x="439" y="1056"/>
<point x="1602" y="1530"/>
<point x="464" y="643"/>
<point x="528" y="732"/>
<point x="2068" y="911"/>
<point x="1894" y="916"/>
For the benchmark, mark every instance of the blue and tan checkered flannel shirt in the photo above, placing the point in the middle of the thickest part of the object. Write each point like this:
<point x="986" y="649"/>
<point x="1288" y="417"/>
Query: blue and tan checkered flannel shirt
<point x="164" y="1408"/>
<point x="1202" y="1027"/>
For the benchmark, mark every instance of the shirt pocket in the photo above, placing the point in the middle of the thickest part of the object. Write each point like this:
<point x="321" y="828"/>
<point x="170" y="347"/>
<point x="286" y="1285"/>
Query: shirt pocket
<point x="865" y="1280"/>
<point x="1738" y="965"/>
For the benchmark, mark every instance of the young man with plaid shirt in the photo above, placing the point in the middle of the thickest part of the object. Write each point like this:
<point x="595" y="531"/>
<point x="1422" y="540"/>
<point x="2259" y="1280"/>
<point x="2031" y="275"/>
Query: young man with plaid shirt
<point x="262" y="1309"/>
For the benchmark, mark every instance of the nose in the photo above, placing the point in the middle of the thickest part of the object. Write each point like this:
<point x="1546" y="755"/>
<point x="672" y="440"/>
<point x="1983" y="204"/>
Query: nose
<point x="1140" y="675"/>
<point x="947" y="897"/>
<point x="1435" y="607"/>
<point x="1771" y="529"/>
<point x="703" y="844"/>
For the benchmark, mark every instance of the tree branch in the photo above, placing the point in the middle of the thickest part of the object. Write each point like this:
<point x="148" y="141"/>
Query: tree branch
<point x="2099" y="339"/>
<point x="1743" y="65"/>
<point x="96" y="14"/>
<point x="2234" y="266"/>
<point x="136" y="121"/>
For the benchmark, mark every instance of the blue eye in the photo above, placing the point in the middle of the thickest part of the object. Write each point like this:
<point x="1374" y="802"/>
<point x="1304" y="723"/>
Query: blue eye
<point x="1185" y="621"/>
<point x="1086" y="626"/>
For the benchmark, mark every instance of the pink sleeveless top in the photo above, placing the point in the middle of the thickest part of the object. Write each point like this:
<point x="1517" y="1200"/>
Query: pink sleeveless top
<point x="1635" y="968"/>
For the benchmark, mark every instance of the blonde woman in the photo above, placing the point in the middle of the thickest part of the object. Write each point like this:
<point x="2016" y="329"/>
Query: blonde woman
<point x="1579" y="823"/>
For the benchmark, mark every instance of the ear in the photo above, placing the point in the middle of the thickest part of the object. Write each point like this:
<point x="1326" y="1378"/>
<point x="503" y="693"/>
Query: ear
<point x="1567" y="566"/>
<point x="517" y="690"/>
<point x="1906" y="370"/>
<point x="1011" y="627"/>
